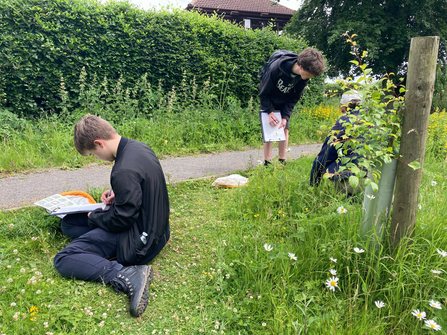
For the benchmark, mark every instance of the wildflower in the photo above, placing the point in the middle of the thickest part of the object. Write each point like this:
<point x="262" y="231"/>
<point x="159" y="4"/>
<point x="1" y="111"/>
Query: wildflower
<point x="34" y="238"/>
<point x="292" y="256"/>
<point x="268" y="247"/>
<point x="379" y="304"/>
<point x="419" y="315"/>
<point x="15" y="251"/>
<point x="442" y="253"/>
<point x="370" y="196"/>
<point x="436" y="272"/>
<point x="4" y="288"/>
<point x="264" y="324"/>
<point x="433" y="325"/>
<point x="22" y="270"/>
<point x="433" y="183"/>
<point x="435" y="304"/>
<point x="13" y="304"/>
<point x="9" y="280"/>
<point x="359" y="251"/>
<point x="341" y="210"/>
<point x="333" y="272"/>
<point x="333" y="259"/>
<point x="288" y="149"/>
<point x="420" y="206"/>
<point x="235" y="310"/>
<point x="260" y="162"/>
<point x="332" y="283"/>
<point x="38" y="292"/>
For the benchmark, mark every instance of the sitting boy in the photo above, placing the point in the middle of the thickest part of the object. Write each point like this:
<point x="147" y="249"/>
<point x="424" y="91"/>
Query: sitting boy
<point x="327" y="161"/>
<point x="112" y="246"/>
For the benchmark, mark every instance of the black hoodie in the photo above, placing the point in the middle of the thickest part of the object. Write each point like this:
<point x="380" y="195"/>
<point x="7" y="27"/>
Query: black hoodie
<point x="280" y="89"/>
<point x="141" y="202"/>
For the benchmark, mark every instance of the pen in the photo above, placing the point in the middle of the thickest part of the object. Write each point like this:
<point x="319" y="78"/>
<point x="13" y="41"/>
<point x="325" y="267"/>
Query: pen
<point x="276" y="121"/>
<point x="110" y="193"/>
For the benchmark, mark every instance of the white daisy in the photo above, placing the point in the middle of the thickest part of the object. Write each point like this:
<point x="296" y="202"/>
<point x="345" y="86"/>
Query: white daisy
<point x="268" y="247"/>
<point x="442" y="253"/>
<point x="420" y="206"/>
<point x="333" y="272"/>
<point x="433" y="183"/>
<point x="370" y="196"/>
<point x="435" y="304"/>
<point x="420" y="315"/>
<point x="379" y="304"/>
<point x="436" y="272"/>
<point x="433" y="325"/>
<point x="332" y="283"/>
<point x="292" y="256"/>
<point x="341" y="210"/>
<point x="260" y="162"/>
<point x="359" y="251"/>
<point x="333" y="259"/>
<point x="288" y="149"/>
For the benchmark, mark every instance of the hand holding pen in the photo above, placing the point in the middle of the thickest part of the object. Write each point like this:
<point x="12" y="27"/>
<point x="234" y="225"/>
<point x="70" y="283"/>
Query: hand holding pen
<point x="273" y="121"/>
<point x="107" y="197"/>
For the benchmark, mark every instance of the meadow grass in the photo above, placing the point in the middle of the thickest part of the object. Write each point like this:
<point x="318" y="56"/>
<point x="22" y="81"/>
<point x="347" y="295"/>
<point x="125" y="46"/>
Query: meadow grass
<point x="216" y="275"/>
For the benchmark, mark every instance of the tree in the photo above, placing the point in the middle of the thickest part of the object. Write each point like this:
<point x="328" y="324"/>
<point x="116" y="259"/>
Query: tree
<point x="384" y="29"/>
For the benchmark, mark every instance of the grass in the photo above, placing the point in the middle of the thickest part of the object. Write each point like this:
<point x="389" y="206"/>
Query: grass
<point x="204" y="128"/>
<point x="216" y="276"/>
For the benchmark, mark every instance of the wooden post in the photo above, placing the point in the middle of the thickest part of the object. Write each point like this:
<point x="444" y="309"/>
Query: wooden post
<point x="418" y="98"/>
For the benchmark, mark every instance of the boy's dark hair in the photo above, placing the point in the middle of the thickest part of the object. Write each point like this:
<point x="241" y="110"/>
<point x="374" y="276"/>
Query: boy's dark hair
<point x="89" y="129"/>
<point x="312" y="61"/>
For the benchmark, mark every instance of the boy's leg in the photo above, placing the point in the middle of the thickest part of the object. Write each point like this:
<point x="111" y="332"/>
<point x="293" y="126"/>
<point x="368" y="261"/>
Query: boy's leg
<point x="75" y="225"/>
<point x="282" y="146"/>
<point x="86" y="257"/>
<point x="268" y="151"/>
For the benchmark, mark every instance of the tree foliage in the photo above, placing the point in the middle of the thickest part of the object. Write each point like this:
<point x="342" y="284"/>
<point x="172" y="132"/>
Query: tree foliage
<point x="384" y="27"/>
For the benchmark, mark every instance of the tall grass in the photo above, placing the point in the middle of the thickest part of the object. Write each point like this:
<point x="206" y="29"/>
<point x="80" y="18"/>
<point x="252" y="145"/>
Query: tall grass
<point x="185" y="120"/>
<point x="216" y="276"/>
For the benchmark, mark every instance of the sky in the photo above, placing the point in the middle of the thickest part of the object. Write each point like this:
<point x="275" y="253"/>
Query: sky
<point x="146" y="4"/>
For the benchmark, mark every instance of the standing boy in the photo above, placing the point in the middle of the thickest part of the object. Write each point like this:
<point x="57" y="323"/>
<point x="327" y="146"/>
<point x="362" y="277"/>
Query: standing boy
<point x="281" y="87"/>
<point x="132" y="231"/>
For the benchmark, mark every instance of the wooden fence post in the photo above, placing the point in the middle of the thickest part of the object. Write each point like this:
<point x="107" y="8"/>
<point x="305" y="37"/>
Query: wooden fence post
<point x="420" y="85"/>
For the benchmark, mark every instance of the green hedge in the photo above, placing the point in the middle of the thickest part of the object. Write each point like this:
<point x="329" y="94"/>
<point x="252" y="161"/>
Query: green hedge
<point x="44" y="40"/>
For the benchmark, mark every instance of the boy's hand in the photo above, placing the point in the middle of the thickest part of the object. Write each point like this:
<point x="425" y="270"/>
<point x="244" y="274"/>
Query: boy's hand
<point x="283" y="124"/>
<point x="273" y="120"/>
<point x="106" y="199"/>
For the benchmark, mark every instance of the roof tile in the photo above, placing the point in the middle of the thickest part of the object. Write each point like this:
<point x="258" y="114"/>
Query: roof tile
<point x="258" y="6"/>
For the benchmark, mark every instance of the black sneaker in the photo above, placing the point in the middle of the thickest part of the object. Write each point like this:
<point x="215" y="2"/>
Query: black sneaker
<point x="282" y="162"/>
<point x="267" y="163"/>
<point x="134" y="281"/>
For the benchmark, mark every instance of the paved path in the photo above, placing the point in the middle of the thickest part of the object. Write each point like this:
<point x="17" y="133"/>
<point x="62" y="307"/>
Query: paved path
<point x="23" y="190"/>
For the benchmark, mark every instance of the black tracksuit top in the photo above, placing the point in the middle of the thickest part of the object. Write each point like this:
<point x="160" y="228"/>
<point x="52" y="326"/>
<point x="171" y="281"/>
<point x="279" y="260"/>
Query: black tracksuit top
<point x="141" y="202"/>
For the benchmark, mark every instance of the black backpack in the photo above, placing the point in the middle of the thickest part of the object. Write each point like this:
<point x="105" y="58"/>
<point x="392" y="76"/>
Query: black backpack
<point x="274" y="56"/>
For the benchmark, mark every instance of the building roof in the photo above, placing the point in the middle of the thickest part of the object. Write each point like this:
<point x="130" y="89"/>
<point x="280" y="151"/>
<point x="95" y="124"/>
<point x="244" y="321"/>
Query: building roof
<point x="258" y="6"/>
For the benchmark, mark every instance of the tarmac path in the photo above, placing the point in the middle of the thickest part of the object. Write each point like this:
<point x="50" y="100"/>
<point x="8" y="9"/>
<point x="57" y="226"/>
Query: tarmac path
<point x="24" y="189"/>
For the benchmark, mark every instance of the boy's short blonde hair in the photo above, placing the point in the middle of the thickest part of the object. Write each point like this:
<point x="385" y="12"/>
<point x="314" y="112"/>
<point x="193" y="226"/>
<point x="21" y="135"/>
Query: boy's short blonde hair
<point x="89" y="129"/>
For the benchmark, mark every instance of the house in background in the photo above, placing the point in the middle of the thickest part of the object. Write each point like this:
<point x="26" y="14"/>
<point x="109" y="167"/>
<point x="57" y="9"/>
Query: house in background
<point x="253" y="14"/>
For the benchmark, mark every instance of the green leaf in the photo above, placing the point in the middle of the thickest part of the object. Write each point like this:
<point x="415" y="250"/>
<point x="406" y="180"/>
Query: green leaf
<point x="415" y="165"/>
<point x="374" y="186"/>
<point x="353" y="181"/>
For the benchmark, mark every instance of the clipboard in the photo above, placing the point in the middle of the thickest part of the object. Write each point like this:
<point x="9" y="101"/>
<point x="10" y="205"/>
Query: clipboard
<point x="270" y="133"/>
<point x="78" y="209"/>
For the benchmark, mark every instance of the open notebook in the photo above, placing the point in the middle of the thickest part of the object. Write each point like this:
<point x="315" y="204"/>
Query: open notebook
<point x="58" y="205"/>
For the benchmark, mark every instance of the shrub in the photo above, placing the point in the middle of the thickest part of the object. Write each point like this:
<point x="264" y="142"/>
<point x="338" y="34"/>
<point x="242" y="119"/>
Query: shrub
<point x="43" y="41"/>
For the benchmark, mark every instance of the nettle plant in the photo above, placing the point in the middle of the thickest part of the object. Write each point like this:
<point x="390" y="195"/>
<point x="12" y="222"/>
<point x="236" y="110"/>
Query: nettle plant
<point x="374" y="134"/>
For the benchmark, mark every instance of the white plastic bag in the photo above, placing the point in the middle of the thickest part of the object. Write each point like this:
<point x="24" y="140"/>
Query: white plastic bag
<point x="231" y="181"/>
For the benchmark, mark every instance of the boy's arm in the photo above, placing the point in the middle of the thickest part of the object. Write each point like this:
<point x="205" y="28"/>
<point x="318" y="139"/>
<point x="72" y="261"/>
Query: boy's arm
<point x="125" y="209"/>
<point x="265" y="90"/>
<point x="287" y="110"/>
